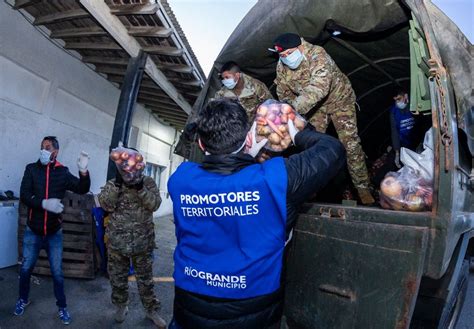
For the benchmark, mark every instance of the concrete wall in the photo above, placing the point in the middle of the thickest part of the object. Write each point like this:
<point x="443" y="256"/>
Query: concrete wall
<point x="46" y="91"/>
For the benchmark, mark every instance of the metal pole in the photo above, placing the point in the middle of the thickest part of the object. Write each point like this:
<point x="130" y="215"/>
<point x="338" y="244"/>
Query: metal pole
<point x="126" y="105"/>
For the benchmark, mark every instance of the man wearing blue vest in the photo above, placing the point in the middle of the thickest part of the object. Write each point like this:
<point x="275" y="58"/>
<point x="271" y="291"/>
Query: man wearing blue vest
<point x="402" y="123"/>
<point x="234" y="216"/>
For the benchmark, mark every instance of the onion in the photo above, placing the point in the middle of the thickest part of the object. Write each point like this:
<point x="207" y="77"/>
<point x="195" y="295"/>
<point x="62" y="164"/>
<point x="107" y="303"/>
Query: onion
<point x="139" y="157"/>
<point x="284" y="118"/>
<point x="131" y="162"/>
<point x="286" y="109"/>
<point x="262" y="110"/>
<point x="414" y="203"/>
<point x="264" y="130"/>
<point x="115" y="155"/>
<point x="277" y="121"/>
<point x="299" y="124"/>
<point x="291" y="116"/>
<point x="274" y="138"/>
<point x="124" y="156"/>
<point x="282" y="128"/>
<point x="391" y="188"/>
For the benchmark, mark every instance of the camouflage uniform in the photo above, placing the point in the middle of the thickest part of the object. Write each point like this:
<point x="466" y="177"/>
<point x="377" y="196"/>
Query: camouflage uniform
<point x="253" y="94"/>
<point x="318" y="82"/>
<point x="131" y="235"/>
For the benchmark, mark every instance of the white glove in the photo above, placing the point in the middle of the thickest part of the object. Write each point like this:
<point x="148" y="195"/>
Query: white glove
<point x="397" y="159"/>
<point x="292" y="130"/>
<point x="53" y="205"/>
<point x="83" y="161"/>
<point x="252" y="146"/>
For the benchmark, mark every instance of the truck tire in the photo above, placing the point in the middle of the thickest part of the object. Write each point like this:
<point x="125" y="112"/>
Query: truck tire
<point x="439" y="313"/>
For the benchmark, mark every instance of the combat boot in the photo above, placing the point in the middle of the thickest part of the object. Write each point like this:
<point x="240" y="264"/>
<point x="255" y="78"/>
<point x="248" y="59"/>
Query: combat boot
<point x="121" y="313"/>
<point x="157" y="320"/>
<point x="365" y="197"/>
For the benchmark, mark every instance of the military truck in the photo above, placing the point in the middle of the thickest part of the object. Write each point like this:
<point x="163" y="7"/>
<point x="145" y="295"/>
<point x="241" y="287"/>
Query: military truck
<point x="362" y="267"/>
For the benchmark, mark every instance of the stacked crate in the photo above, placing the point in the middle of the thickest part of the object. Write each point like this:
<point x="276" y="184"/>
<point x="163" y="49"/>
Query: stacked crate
<point x="78" y="238"/>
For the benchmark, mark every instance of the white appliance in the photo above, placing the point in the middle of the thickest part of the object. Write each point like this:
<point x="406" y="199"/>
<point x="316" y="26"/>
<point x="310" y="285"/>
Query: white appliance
<point x="8" y="233"/>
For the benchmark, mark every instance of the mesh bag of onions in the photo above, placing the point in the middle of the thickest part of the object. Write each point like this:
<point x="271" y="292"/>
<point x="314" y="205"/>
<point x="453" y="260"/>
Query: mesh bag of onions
<point x="406" y="190"/>
<point x="129" y="162"/>
<point x="272" y="123"/>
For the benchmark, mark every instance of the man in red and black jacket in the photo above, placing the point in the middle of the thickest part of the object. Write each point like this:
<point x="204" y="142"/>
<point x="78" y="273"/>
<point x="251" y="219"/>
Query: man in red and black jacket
<point x="44" y="184"/>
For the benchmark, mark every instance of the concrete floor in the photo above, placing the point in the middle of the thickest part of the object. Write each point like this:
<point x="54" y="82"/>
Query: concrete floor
<point x="89" y="300"/>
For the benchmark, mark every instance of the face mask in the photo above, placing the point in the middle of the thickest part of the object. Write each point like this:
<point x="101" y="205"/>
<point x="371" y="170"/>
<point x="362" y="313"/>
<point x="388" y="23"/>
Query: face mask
<point x="229" y="83"/>
<point x="45" y="157"/>
<point x="293" y="60"/>
<point x="401" y="105"/>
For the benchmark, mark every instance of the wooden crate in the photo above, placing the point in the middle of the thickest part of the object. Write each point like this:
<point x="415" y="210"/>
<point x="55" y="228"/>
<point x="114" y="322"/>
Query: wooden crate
<point x="78" y="238"/>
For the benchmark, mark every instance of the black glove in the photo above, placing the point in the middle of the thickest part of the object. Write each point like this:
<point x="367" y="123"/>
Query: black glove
<point x="118" y="180"/>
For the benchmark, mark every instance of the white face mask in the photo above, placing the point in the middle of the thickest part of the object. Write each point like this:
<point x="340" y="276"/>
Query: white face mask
<point x="229" y="83"/>
<point x="293" y="60"/>
<point x="401" y="105"/>
<point x="45" y="157"/>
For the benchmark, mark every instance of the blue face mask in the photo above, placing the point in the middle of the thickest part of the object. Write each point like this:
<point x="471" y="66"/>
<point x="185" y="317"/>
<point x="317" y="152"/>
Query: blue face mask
<point x="293" y="60"/>
<point x="229" y="83"/>
<point x="401" y="105"/>
<point x="45" y="157"/>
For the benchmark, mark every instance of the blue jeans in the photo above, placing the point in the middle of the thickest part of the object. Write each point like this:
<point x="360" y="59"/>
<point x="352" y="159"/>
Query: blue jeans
<point x="32" y="244"/>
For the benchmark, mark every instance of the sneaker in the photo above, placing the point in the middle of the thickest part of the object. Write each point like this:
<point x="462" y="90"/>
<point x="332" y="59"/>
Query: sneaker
<point x="64" y="315"/>
<point x="121" y="313"/>
<point x="20" y="306"/>
<point x="157" y="320"/>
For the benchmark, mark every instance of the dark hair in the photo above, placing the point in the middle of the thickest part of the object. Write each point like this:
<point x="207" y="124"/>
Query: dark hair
<point x="53" y="141"/>
<point x="230" y="66"/>
<point x="222" y="126"/>
<point x="400" y="92"/>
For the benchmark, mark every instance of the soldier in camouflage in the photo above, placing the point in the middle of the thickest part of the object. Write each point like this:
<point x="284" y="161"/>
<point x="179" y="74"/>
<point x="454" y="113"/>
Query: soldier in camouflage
<point x="248" y="91"/>
<point x="309" y="79"/>
<point x="131" y="236"/>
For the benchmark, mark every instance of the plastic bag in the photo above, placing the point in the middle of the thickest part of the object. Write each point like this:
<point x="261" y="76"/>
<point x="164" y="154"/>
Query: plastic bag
<point x="272" y="123"/>
<point x="410" y="188"/>
<point x="129" y="162"/>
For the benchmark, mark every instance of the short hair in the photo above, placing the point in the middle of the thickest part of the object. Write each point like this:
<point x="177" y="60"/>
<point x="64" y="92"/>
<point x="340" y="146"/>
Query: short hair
<point x="230" y="66"/>
<point x="222" y="126"/>
<point x="53" y="141"/>
<point x="400" y="92"/>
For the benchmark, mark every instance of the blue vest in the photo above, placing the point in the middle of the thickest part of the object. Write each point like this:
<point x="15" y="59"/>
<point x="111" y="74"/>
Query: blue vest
<point x="230" y="229"/>
<point x="405" y="122"/>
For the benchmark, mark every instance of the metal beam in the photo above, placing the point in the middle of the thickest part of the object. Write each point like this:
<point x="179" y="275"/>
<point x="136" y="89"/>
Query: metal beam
<point x="77" y="32"/>
<point x="367" y="93"/>
<point x="126" y="105"/>
<point x="365" y="59"/>
<point x="154" y="98"/>
<point x="93" y="45"/>
<point x="171" y="112"/>
<point x="157" y="104"/>
<point x="171" y="116"/>
<point x="149" y="31"/>
<point x="19" y="4"/>
<point x="179" y="68"/>
<point x="138" y="9"/>
<point x="100" y="11"/>
<point x="388" y="59"/>
<point x="105" y="60"/>
<point x="61" y="16"/>
<point x="163" y="50"/>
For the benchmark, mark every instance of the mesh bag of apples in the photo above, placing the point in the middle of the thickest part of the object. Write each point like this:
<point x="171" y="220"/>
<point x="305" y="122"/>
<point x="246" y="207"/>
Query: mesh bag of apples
<point x="129" y="162"/>
<point x="272" y="123"/>
<point x="406" y="190"/>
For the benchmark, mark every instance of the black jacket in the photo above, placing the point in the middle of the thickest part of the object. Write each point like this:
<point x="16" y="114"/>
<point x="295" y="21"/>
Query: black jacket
<point x="47" y="182"/>
<point x="321" y="157"/>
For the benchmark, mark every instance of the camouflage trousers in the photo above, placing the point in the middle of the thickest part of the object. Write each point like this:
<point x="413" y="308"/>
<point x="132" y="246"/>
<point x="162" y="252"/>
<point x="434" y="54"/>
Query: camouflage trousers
<point x="118" y="267"/>
<point x="344" y="120"/>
